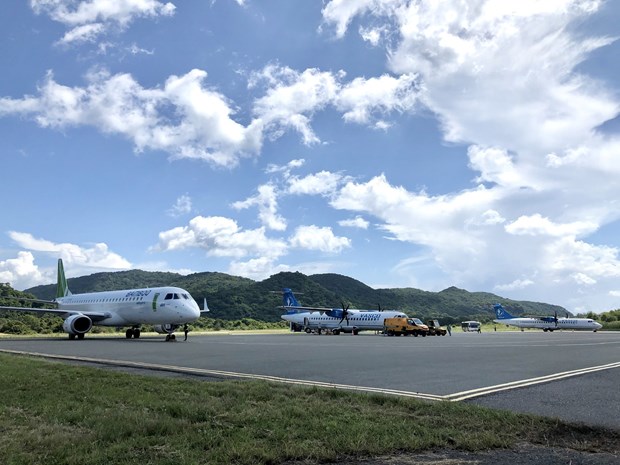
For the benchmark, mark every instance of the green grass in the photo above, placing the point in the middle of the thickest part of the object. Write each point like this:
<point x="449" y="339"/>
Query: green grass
<point x="52" y="413"/>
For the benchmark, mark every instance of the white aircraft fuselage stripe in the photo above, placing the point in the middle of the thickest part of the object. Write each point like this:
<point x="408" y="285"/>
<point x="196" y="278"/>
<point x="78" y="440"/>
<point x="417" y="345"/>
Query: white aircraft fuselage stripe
<point x="455" y="397"/>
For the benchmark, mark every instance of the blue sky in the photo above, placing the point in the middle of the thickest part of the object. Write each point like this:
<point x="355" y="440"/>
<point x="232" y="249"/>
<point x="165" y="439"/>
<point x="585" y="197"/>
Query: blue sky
<point x="402" y="143"/>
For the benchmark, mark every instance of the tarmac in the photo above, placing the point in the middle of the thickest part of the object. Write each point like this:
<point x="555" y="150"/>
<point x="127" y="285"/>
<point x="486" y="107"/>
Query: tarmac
<point x="569" y="375"/>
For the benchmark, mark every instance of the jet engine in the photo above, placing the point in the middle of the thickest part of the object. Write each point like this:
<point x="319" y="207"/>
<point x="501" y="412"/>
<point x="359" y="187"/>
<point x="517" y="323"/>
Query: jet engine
<point x="165" y="329"/>
<point x="77" y="325"/>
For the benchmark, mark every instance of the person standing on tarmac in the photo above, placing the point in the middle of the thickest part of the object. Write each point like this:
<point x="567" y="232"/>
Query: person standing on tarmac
<point x="449" y="328"/>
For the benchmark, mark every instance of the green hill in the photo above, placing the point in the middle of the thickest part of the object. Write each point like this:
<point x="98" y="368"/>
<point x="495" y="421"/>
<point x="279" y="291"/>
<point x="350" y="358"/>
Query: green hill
<point x="234" y="298"/>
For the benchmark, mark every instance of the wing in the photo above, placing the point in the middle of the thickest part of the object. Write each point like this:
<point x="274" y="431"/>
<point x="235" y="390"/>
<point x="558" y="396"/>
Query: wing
<point x="56" y="311"/>
<point x="95" y="316"/>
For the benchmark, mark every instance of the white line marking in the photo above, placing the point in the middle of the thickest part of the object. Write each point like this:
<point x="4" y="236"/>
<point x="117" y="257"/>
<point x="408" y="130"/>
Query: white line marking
<point x="459" y="396"/>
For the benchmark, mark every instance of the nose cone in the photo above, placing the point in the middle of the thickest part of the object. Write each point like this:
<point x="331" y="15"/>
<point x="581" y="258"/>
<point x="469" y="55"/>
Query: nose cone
<point x="192" y="310"/>
<point x="598" y="325"/>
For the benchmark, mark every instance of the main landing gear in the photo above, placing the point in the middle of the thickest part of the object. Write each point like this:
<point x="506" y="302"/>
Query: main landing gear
<point x="133" y="332"/>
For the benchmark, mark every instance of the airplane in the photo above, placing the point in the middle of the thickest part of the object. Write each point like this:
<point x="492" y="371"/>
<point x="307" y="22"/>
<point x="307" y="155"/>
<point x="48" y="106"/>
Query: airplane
<point x="546" y="323"/>
<point x="336" y="320"/>
<point x="166" y="308"/>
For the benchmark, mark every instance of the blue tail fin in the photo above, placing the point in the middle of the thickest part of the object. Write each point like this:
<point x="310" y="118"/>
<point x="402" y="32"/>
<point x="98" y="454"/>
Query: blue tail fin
<point x="288" y="298"/>
<point x="501" y="313"/>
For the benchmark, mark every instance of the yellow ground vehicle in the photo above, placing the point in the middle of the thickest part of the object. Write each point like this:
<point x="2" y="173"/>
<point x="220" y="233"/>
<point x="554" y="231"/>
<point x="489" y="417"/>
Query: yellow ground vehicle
<point x="404" y="326"/>
<point x="435" y="329"/>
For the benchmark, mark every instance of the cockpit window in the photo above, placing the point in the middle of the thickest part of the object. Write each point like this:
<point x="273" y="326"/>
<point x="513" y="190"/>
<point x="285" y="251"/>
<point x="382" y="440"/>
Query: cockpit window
<point x="168" y="296"/>
<point x="185" y="296"/>
<point x="176" y="296"/>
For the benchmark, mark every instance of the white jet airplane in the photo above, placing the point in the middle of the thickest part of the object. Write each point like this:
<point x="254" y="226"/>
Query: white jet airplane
<point x="546" y="323"/>
<point x="166" y="308"/>
<point x="336" y="320"/>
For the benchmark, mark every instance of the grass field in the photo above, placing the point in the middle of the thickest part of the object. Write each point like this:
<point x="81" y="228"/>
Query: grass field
<point x="52" y="413"/>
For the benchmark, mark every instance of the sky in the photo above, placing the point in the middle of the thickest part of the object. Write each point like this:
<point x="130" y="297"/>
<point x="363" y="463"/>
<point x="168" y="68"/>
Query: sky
<point x="403" y="143"/>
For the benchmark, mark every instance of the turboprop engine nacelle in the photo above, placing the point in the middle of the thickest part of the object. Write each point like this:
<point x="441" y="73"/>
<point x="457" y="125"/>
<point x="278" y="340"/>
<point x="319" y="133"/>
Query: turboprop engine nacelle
<point x="77" y="324"/>
<point x="165" y="329"/>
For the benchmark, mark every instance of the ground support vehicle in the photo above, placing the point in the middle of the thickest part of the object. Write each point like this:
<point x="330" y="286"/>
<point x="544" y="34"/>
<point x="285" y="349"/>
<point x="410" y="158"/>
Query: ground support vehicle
<point x="404" y="327"/>
<point x="435" y="329"/>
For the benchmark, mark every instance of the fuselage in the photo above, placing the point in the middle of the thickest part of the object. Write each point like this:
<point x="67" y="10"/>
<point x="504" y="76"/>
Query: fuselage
<point x="551" y="325"/>
<point x="159" y="305"/>
<point x="358" y="320"/>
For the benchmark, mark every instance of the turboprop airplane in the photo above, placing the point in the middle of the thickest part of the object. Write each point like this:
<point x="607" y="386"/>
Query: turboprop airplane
<point x="336" y="320"/>
<point x="166" y="308"/>
<point x="546" y="323"/>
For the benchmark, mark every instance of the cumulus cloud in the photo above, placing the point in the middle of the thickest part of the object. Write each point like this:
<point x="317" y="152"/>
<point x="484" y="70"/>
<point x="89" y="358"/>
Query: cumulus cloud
<point x="321" y="183"/>
<point x="89" y="19"/>
<point x="21" y="272"/>
<point x="292" y="98"/>
<point x="319" y="238"/>
<point x="361" y="98"/>
<point x="97" y="256"/>
<point x="220" y="237"/>
<point x="357" y="222"/>
<point x="200" y="127"/>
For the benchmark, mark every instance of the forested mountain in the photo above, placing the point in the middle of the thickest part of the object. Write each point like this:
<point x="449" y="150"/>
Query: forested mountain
<point x="234" y="298"/>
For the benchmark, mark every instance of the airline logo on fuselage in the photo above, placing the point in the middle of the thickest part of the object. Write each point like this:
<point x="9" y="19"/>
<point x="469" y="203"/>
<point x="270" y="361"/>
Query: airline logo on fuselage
<point x="142" y="293"/>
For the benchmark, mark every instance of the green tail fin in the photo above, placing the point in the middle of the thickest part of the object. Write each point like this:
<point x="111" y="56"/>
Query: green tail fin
<point x="62" y="289"/>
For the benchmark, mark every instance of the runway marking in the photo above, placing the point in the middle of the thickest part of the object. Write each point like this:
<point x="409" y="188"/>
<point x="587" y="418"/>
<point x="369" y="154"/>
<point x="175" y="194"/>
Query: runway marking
<point x="459" y="396"/>
<point x="456" y="397"/>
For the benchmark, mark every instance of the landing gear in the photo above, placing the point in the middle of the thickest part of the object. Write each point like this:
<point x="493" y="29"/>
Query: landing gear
<point x="80" y="336"/>
<point x="170" y="337"/>
<point x="132" y="332"/>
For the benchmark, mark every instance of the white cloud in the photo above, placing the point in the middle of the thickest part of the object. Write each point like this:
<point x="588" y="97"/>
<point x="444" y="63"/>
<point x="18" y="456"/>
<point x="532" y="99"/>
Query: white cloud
<point x="292" y="98"/>
<point x="200" y="127"/>
<point x="318" y="238"/>
<point x="182" y="206"/>
<point x="97" y="256"/>
<point x="267" y="202"/>
<point x="257" y="268"/>
<point x="516" y="284"/>
<point x="21" y="272"/>
<point x="321" y="183"/>
<point x="220" y="237"/>
<point x="362" y="97"/>
<point x="91" y="18"/>
<point x="357" y="222"/>
<point x="536" y="224"/>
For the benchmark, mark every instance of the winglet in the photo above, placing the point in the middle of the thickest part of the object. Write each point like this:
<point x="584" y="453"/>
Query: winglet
<point x="205" y="307"/>
<point x="62" y="289"/>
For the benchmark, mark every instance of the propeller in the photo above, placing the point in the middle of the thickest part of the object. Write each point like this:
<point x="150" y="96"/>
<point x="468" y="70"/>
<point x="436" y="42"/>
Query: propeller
<point x="345" y="314"/>
<point x="379" y="307"/>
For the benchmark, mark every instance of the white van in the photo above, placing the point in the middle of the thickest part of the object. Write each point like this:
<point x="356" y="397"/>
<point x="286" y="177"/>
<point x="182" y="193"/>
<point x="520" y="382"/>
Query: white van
<point x="471" y="326"/>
